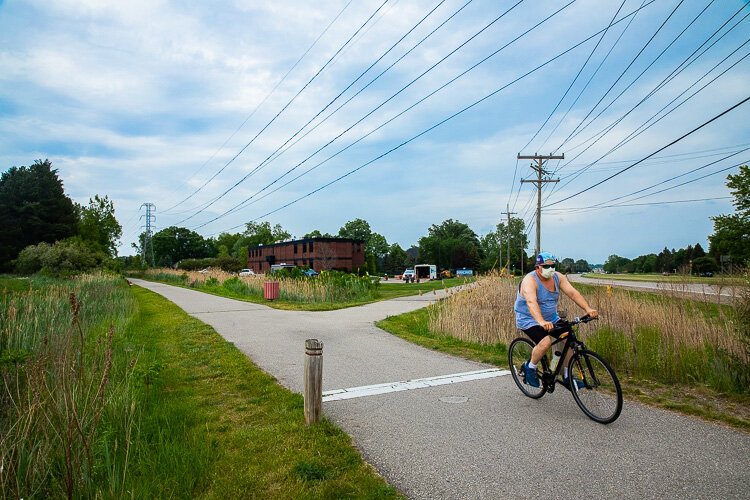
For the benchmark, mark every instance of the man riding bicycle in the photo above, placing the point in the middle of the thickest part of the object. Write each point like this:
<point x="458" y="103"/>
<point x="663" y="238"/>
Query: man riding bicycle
<point x="536" y="311"/>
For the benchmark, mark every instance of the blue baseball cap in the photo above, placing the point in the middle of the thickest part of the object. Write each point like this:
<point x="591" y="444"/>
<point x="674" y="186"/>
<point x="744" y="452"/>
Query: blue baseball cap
<point x="544" y="257"/>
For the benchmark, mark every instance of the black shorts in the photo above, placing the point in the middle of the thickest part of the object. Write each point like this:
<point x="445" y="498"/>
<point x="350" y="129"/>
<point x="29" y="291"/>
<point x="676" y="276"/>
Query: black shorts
<point x="537" y="333"/>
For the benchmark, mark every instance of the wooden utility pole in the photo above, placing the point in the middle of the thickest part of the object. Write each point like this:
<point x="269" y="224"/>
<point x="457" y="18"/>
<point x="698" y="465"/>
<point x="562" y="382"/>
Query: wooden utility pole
<point x="540" y="172"/>
<point x="507" y="231"/>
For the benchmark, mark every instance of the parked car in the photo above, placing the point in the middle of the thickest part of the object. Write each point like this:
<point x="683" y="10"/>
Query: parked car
<point x="311" y="273"/>
<point x="247" y="272"/>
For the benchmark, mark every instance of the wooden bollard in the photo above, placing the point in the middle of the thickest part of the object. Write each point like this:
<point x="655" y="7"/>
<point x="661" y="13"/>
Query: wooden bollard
<point x="313" y="380"/>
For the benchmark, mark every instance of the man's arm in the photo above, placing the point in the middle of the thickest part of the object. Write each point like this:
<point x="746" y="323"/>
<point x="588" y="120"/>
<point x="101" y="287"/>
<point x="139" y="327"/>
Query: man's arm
<point x="528" y="292"/>
<point x="576" y="296"/>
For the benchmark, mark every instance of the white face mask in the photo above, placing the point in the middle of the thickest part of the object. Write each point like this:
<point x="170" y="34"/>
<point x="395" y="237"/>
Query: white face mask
<point x="548" y="273"/>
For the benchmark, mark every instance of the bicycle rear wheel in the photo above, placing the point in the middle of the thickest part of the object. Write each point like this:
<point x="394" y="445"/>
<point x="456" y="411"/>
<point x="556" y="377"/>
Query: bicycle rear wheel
<point x="600" y="396"/>
<point x="519" y="352"/>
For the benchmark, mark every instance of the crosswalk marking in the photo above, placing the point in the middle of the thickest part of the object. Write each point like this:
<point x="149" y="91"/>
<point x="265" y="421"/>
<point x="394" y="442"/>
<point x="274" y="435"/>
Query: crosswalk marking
<point x="407" y="385"/>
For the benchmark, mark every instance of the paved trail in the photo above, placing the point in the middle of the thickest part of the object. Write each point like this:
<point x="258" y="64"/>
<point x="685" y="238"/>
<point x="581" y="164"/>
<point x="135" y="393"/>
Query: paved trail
<point x="715" y="293"/>
<point x="480" y="438"/>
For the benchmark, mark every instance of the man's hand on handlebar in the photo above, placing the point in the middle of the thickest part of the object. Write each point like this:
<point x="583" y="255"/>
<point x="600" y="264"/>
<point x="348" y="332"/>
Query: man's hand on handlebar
<point x="592" y="313"/>
<point x="548" y="326"/>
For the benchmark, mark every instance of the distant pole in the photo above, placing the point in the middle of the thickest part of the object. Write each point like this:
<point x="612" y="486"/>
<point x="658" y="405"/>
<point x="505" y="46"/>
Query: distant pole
<point x="148" y="247"/>
<point x="313" y="380"/>
<point x="539" y="169"/>
<point x="507" y="232"/>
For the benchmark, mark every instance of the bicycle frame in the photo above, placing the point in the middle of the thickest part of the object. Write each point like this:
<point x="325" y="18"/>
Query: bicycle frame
<point x="570" y="342"/>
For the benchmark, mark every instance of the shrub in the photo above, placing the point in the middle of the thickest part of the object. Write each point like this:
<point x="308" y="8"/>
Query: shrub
<point x="68" y="256"/>
<point x="225" y="263"/>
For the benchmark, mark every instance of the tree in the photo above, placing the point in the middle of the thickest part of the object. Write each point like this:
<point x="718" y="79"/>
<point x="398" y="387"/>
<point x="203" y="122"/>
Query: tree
<point x="317" y="234"/>
<point x="494" y="245"/>
<point x="33" y="209"/>
<point x="173" y="244"/>
<point x="98" y="226"/>
<point x="357" y="229"/>
<point x="581" y="266"/>
<point x="450" y="245"/>
<point x="566" y="265"/>
<point x="665" y="261"/>
<point x="731" y="235"/>
<point x="616" y="264"/>
<point x="396" y="260"/>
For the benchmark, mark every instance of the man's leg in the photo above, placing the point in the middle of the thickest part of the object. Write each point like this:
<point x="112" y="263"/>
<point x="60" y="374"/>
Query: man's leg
<point x="540" y="349"/>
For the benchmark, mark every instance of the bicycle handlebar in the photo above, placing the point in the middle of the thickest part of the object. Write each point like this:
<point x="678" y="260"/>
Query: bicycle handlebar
<point x="564" y="324"/>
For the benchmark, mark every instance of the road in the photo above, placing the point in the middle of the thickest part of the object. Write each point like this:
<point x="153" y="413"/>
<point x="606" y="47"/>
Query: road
<point x="479" y="438"/>
<point x="713" y="293"/>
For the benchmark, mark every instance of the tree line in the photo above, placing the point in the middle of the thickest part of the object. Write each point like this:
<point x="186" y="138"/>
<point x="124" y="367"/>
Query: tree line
<point x="729" y="244"/>
<point x="43" y="229"/>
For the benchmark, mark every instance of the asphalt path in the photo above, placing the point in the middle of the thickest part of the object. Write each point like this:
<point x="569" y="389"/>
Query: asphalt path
<point x="481" y="438"/>
<point x="714" y="293"/>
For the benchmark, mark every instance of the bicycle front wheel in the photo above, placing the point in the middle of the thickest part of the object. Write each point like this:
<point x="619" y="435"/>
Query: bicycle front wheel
<point x="519" y="353"/>
<point x="595" y="387"/>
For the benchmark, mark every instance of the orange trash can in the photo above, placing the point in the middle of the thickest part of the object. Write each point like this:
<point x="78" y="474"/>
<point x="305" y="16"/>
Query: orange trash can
<point x="271" y="290"/>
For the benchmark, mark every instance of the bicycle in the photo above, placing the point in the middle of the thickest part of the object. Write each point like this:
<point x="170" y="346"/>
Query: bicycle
<point x="591" y="380"/>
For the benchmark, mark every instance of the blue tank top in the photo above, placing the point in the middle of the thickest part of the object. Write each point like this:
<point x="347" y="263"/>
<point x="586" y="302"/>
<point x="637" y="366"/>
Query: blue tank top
<point x="547" y="303"/>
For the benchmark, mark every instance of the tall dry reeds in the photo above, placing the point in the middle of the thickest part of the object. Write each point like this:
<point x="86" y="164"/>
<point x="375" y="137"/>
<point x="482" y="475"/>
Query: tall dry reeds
<point x="328" y="287"/>
<point x="656" y="335"/>
<point x="56" y="360"/>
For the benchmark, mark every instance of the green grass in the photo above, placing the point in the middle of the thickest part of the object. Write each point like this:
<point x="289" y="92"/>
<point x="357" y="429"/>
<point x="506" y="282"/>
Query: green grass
<point x="385" y="291"/>
<point x="185" y="414"/>
<point x="696" y="398"/>
<point x="234" y="432"/>
<point x="414" y="327"/>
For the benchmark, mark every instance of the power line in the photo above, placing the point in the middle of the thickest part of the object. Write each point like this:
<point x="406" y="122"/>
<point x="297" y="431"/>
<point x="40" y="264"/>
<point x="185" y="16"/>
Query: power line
<point x="621" y="74"/>
<point x="438" y="124"/>
<point x="576" y="77"/>
<point x="675" y="178"/>
<point x="596" y="71"/>
<point x="638" y="131"/>
<point x="278" y="153"/>
<point x="623" y="205"/>
<point x="679" y="69"/>
<point x="704" y="124"/>
<point x="373" y="110"/>
<point x="245" y="202"/>
<point x="283" y="78"/>
<point x="289" y="103"/>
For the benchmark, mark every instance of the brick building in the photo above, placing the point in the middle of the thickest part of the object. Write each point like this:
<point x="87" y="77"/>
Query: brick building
<point x="341" y="254"/>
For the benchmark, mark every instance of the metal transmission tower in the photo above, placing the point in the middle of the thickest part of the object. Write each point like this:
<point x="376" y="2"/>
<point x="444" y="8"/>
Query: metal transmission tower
<point x="540" y="172"/>
<point x="507" y="232"/>
<point x="147" y="250"/>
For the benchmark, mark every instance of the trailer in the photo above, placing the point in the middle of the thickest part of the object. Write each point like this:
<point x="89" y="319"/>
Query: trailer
<point x="425" y="272"/>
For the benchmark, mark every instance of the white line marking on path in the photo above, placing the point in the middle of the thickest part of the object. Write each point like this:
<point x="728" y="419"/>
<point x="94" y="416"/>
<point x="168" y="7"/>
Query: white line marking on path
<point x="407" y="385"/>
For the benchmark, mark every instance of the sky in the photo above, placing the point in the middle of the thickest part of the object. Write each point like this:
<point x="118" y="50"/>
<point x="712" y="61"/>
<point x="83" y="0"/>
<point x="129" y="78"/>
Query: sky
<point x="403" y="113"/>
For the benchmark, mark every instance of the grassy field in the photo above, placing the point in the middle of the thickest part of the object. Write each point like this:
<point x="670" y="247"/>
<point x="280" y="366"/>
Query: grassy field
<point x="178" y="412"/>
<point x="313" y="294"/>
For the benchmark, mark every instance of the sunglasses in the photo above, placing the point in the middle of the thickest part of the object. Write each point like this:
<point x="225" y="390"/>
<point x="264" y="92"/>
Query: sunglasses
<point x="547" y="266"/>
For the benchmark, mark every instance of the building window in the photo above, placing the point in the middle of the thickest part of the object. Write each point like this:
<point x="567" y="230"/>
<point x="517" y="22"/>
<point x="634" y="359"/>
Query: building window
<point x="310" y="247"/>
<point x="295" y="248"/>
<point x="304" y="248"/>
